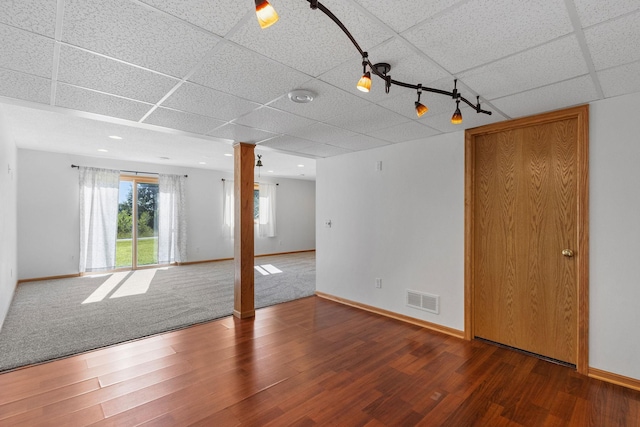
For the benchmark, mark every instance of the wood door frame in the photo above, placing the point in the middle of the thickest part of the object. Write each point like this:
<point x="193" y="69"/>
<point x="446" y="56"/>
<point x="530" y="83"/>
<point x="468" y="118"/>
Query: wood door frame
<point x="580" y="113"/>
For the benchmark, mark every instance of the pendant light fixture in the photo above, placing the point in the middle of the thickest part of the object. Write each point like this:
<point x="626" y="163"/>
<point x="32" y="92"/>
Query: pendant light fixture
<point x="259" y="163"/>
<point x="364" y="84"/>
<point x="420" y="108"/>
<point x="267" y="15"/>
<point x="456" y="119"/>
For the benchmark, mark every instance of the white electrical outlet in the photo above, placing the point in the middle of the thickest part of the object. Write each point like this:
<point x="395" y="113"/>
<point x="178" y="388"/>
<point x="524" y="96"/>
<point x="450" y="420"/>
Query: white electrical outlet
<point x="378" y="282"/>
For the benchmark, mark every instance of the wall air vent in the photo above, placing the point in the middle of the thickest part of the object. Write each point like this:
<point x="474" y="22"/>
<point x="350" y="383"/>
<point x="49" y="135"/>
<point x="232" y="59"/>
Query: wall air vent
<point x="423" y="301"/>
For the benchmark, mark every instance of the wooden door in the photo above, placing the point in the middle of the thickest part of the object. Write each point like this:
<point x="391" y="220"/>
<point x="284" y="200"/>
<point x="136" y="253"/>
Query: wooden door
<point x="526" y="208"/>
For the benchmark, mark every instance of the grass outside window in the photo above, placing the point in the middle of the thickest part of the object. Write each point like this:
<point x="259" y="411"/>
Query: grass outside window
<point x="147" y="252"/>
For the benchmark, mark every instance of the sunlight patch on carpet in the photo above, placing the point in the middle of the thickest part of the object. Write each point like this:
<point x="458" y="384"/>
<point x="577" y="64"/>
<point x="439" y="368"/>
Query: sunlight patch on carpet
<point x="137" y="284"/>
<point x="106" y="288"/>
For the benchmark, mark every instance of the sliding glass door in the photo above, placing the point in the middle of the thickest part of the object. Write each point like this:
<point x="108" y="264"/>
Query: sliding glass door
<point x="137" y="243"/>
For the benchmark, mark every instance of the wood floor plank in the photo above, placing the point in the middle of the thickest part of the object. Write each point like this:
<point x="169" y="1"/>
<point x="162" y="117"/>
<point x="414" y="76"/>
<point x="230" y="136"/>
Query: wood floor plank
<point x="40" y="400"/>
<point x="310" y="362"/>
<point x="155" y="409"/>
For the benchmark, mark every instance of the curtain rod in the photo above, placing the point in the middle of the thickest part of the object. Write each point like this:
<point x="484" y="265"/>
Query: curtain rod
<point x="136" y="172"/>
<point x="223" y="180"/>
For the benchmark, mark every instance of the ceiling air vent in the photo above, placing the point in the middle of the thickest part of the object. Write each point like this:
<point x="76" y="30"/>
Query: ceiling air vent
<point x="422" y="301"/>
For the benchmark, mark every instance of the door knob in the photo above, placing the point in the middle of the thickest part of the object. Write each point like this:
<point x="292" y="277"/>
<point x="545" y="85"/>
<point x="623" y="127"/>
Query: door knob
<point x="567" y="252"/>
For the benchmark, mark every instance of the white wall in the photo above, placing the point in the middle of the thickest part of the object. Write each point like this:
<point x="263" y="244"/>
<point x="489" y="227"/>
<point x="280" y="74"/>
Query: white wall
<point x="614" y="210"/>
<point x="48" y="221"/>
<point x="406" y="226"/>
<point x="8" y="213"/>
<point x="403" y="224"/>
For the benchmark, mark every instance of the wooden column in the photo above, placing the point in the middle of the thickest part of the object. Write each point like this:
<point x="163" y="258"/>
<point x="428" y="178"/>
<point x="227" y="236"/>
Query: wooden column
<point x="243" y="306"/>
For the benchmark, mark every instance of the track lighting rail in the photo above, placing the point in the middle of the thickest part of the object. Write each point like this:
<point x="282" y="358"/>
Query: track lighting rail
<point x="315" y="4"/>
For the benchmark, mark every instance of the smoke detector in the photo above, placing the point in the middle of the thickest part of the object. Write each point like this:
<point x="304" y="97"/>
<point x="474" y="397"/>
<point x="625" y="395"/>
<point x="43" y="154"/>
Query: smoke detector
<point x="301" y="96"/>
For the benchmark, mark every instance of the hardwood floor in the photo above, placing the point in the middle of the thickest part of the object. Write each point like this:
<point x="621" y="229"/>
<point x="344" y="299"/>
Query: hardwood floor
<point x="309" y="362"/>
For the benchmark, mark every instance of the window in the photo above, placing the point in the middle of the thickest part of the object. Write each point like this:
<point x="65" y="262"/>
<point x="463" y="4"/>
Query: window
<point x="256" y="203"/>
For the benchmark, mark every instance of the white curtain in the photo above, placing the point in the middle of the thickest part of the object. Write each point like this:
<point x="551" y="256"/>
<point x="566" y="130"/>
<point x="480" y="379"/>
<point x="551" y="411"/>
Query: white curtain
<point x="172" y="225"/>
<point x="267" y="221"/>
<point x="228" y="209"/>
<point x="98" y="218"/>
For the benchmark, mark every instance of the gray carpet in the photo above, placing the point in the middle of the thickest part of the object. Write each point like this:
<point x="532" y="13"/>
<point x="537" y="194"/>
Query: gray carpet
<point x="48" y="320"/>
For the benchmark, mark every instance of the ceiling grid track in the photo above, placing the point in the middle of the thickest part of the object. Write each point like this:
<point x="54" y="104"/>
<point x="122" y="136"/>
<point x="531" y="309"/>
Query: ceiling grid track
<point x="582" y="40"/>
<point x="56" y="51"/>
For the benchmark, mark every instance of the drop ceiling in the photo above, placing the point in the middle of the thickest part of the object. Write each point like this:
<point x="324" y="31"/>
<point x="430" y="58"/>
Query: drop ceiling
<point x="185" y="79"/>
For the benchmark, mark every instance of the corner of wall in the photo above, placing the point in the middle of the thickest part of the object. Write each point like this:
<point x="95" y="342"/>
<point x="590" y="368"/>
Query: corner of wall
<point x="8" y="226"/>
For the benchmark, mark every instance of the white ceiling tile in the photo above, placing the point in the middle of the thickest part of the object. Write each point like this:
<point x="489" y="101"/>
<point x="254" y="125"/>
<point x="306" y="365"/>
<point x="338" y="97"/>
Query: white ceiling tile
<point x="273" y="120"/>
<point x="404" y="132"/>
<point x="302" y="39"/>
<point x="620" y="80"/>
<point x="246" y="74"/>
<point x="559" y="95"/>
<point x="26" y="52"/>
<point x="81" y="68"/>
<point x="24" y="86"/>
<point x="615" y="42"/>
<point x="595" y="11"/>
<point x="217" y="16"/>
<point x="320" y="132"/>
<point x="183" y="121"/>
<point x="38" y="16"/>
<point x="99" y="103"/>
<point x="406" y="66"/>
<point x="367" y="119"/>
<point x="240" y="133"/>
<point x="559" y="60"/>
<point x="482" y="31"/>
<point x="323" y="150"/>
<point x="360" y="142"/>
<point x="403" y="14"/>
<point x="328" y="102"/>
<point x="128" y="31"/>
<point x="201" y="100"/>
<point x="367" y="32"/>
<point x="287" y="143"/>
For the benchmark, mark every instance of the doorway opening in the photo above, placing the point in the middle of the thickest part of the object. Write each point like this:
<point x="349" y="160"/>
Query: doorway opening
<point x="137" y="240"/>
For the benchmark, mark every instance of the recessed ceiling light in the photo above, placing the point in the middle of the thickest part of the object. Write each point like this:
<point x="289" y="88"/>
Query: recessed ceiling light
<point x="270" y="171"/>
<point x="301" y="96"/>
<point x="115" y="137"/>
<point x="228" y="155"/>
<point x="300" y="166"/>
<point x="102" y="150"/>
<point x="202" y="163"/>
